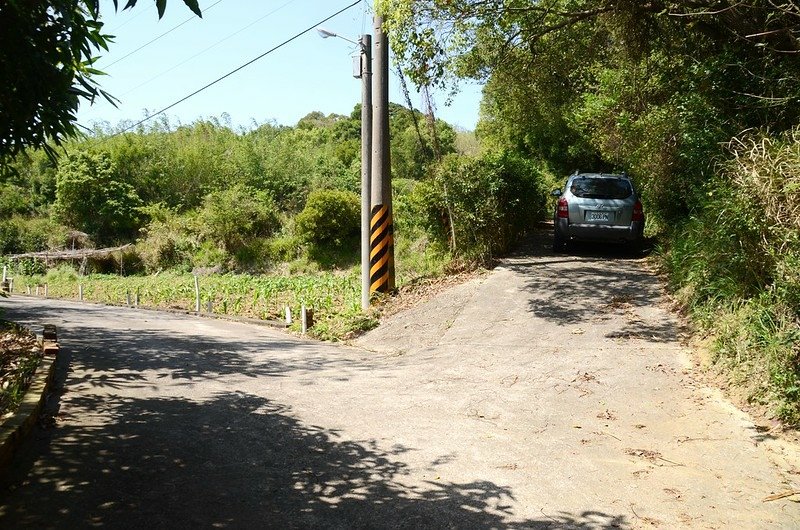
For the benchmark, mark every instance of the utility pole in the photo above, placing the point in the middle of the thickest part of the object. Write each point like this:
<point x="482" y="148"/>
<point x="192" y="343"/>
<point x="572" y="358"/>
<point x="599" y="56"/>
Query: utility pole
<point x="381" y="224"/>
<point x="363" y="70"/>
<point x="366" y="163"/>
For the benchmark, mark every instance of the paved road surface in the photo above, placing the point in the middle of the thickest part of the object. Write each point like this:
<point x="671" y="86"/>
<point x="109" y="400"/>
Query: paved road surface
<point x="550" y="393"/>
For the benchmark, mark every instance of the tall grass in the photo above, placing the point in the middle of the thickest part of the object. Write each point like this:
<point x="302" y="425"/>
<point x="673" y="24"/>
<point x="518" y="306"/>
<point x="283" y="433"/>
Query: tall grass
<point x="736" y="265"/>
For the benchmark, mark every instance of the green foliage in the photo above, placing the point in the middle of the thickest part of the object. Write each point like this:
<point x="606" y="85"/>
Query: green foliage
<point x="61" y="274"/>
<point x="47" y="53"/>
<point x="235" y="217"/>
<point x="482" y="206"/>
<point x="21" y="234"/>
<point x="335" y="297"/>
<point x="414" y="149"/>
<point x="601" y="86"/>
<point x="735" y="264"/>
<point x="331" y="218"/>
<point x="90" y="198"/>
<point x="169" y="240"/>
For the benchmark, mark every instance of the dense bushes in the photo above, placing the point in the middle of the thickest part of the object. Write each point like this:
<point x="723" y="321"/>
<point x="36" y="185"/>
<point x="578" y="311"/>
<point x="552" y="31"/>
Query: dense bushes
<point x="330" y="218"/>
<point x="89" y="197"/>
<point x="21" y="234"/>
<point x="736" y="264"/>
<point x="482" y="205"/>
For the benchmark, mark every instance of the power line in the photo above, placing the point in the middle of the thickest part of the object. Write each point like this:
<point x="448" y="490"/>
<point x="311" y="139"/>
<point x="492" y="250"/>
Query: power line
<point x="130" y="19"/>
<point x="148" y="43"/>
<point x="206" y="49"/>
<point x="248" y="63"/>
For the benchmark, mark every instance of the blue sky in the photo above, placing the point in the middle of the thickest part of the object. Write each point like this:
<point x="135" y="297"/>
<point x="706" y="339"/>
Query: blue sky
<point x="308" y="74"/>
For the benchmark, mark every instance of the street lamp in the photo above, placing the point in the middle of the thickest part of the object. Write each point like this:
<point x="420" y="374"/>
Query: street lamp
<point x="363" y="72"/>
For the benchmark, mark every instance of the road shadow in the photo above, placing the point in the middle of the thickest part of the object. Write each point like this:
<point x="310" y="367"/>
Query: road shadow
<point x="113" y="359"/>
<point x="588" y="283"/>
<point x="104" y="458"/>
<point x="237" y="461"/>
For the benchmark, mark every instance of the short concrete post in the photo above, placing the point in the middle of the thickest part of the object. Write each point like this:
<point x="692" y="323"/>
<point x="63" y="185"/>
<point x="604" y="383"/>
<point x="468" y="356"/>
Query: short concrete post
<point x="196" y="295"/>
<point x="288" y="313"/>
<point x="128" y="298"/>
<point x="306" y="318"/>
<point x="80" y="292"/>
<point x="209" y="306"/>
<point x="136" y="298"/>
<point x="37" y="290"/>
<point x="11" y="285"/>
<point x="29" y="289"/>
<point x="5" y="272"/>
<point x="45" y="290"/>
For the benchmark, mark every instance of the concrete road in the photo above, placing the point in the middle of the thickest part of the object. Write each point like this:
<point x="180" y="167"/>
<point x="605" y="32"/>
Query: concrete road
<point x="549" y="393"/>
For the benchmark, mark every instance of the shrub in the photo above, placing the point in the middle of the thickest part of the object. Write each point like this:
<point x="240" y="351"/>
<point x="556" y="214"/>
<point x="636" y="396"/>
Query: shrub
<point x="20" y="234"/>
<point x="62" y="274"/>
<point x="233" y="218"/>
<point x="330" y="218"/>
<point x="169" y="240"/>
<point x="481" y="205"/>
<point x="735" y="265"/>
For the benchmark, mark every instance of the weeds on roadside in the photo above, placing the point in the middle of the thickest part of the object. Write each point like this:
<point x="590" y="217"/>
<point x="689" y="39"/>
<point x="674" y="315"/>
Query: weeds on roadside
<point x="19" y="357"/>
<point x="736" y="266"/>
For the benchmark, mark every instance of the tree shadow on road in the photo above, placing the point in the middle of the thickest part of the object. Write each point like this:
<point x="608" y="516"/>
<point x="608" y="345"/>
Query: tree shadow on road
<point x="122" y="358"/>
<point x="238" y="461"/>
<point x="588" y="283"/>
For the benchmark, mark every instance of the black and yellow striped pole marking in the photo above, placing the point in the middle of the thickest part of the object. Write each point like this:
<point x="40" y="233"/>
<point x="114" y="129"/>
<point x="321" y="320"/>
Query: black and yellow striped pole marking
<point x="380" y="246"/>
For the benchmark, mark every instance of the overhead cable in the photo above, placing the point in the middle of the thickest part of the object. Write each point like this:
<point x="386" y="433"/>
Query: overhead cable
<point x="148" y="43"/>
<point x="248" y="63"/>
<point x="198" y="54"/>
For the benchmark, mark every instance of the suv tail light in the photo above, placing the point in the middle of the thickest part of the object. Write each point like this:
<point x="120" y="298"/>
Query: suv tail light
<point x="638" y="211"/>
<point x="563" y="208"/>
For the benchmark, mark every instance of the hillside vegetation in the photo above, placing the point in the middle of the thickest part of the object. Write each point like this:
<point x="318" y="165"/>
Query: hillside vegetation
<point x="257" y="206"/>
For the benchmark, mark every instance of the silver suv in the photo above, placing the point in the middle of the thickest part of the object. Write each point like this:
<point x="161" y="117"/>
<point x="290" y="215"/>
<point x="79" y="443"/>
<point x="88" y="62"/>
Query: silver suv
<point x="598" y="207"/>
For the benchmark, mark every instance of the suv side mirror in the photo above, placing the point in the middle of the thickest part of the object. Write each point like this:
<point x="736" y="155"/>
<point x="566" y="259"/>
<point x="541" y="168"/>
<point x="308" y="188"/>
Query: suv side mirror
<point x="555" y="193"/>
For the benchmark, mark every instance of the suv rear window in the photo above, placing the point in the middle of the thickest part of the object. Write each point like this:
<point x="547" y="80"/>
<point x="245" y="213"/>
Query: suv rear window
<point x="601" y="188"/>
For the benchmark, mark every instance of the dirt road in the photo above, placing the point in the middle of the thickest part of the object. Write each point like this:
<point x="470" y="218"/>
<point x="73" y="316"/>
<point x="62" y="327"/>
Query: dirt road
<point x="550" y="393"/>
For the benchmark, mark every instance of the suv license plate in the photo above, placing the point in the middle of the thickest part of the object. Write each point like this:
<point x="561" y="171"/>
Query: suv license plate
<point x="598" y="216"/>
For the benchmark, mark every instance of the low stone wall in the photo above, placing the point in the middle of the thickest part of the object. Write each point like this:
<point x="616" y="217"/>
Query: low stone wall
<point x="16" y="428"/>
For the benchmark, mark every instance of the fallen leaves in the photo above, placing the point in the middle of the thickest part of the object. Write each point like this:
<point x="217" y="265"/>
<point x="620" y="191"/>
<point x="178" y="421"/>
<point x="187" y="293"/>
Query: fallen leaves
<point x="19" y="357"/>
<point x="607" y="415"/>
<point x="652" y="456"/>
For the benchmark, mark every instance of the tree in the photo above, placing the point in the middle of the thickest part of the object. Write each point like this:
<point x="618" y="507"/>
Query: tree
<point x="330" y="218"/>
<point x="47" y="52"/>
<point x="233" y="218"/>
<point x="91" y="199"/>
<point x="651" y="87"/>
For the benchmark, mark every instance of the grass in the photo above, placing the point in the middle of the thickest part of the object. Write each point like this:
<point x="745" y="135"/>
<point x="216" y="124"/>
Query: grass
<point x="334" y="296"/>
<point x="735" y="267"/>
<point x="19" y="356"/>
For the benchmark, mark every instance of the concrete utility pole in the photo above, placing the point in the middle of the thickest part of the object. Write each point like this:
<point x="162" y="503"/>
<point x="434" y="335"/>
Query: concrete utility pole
<point x="363" y="70"/>
<point x="366" y="162"/>
<point x="381" y="224"/>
